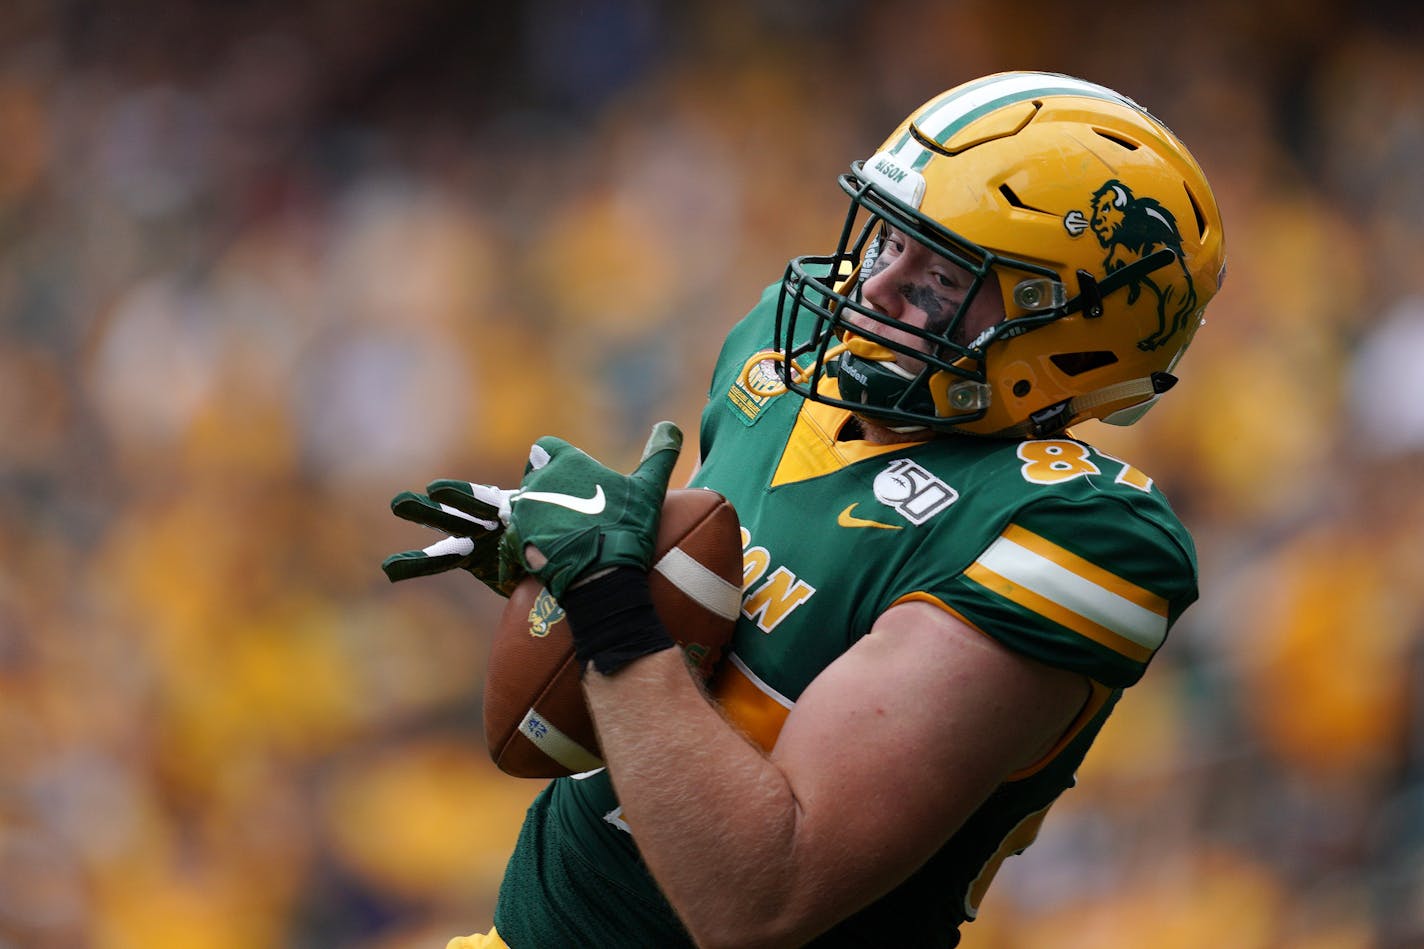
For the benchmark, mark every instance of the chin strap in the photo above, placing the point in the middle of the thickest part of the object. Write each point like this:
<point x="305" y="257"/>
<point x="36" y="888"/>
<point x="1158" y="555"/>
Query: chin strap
<point x="1056" y="417"/>
<point x="1091" y="292"/>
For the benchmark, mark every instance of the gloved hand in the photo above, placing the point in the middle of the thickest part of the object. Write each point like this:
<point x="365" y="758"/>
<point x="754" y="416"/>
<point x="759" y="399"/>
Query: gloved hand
<point x="587" y="532"/>
<point x="580" y="517"/>
<point x="475" y="517"/>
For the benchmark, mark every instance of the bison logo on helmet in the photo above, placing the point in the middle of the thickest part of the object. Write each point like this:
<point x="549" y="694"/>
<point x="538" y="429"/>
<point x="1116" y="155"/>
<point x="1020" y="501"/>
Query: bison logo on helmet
<point x="1130" y="228"/>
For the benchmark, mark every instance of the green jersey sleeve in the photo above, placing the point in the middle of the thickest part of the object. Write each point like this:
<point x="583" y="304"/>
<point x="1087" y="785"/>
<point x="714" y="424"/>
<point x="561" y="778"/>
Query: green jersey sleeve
<point x="1061" y="553"/>
<point x="1090" y="582"/>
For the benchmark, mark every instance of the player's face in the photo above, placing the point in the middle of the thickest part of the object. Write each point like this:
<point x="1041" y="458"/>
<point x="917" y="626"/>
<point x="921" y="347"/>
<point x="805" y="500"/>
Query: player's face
<point x="910" y="283"/>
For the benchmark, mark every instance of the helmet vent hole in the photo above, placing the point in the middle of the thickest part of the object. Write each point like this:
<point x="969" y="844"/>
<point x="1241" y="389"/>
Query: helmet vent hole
<point x="1016" y="202"/>
<point x="1075" y="364"/>
<point x="1021" y="388"/>
<point x="1196" y="209"/>
<point x="1118" y="140"/>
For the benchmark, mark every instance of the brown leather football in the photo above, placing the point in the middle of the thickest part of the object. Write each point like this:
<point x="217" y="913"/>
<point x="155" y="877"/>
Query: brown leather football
<point x="536" y="722"/>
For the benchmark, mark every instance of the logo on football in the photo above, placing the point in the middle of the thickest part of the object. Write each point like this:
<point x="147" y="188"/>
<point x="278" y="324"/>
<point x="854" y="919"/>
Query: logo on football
<point x="536" y="722"/>
<point x="545" y="612"/>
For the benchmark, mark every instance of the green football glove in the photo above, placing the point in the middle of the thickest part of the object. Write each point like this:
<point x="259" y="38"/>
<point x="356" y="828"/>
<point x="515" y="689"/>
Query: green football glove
<point x="475" y="516"/>
<point x="580" y="517"/>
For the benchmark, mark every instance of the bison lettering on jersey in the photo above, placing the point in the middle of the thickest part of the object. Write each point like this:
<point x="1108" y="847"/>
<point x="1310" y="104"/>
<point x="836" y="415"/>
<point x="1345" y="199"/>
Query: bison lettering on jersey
<point x="768" y="603"/>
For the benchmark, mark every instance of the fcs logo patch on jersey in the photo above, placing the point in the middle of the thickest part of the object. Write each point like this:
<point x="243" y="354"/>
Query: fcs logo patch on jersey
<point x="755" y="387"/>
<point x="914" y="493"/>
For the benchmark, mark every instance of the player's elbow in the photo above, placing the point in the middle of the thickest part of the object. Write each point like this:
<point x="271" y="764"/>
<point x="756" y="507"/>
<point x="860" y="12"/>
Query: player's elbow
<point x="769" y="928"/>
<point x="743" y="937"/>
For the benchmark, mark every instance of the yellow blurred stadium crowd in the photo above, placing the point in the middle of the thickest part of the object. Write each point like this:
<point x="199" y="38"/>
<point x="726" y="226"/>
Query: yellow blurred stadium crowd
<point x="266" y="264"/>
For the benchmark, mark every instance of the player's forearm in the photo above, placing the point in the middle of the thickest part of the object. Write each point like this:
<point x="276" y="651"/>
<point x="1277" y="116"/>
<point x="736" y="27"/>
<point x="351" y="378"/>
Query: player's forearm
<point x="716" y="821"/>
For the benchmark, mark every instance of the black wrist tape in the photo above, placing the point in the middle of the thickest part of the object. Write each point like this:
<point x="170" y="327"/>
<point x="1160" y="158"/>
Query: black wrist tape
<point x="613" y="620"/>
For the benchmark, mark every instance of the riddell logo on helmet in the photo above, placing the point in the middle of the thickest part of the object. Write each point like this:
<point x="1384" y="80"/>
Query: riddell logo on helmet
<point x="1129" y="228"/>
<point x="850" y="369"/>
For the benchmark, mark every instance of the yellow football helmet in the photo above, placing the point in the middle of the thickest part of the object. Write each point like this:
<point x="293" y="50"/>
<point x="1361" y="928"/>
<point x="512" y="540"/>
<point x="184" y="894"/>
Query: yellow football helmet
<point x="1083" y="211"/>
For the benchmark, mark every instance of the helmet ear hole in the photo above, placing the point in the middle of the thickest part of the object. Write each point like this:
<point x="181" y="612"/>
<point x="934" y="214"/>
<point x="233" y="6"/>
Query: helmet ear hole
<point x="1075" y="364"/>
<point x="1022" y="388"/>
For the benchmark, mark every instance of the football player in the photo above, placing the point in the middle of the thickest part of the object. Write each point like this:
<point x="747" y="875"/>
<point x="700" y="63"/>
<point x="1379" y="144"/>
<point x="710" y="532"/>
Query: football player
<point x="945" y="592"/>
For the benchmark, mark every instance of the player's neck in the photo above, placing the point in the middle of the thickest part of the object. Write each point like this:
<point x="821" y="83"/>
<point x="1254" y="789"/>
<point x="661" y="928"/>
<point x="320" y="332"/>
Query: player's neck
<point x="860" y="428"/>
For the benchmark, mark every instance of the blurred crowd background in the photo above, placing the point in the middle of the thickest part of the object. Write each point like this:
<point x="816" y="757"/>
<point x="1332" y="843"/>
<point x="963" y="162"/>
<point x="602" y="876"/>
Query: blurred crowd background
<point x="264" y="264"/>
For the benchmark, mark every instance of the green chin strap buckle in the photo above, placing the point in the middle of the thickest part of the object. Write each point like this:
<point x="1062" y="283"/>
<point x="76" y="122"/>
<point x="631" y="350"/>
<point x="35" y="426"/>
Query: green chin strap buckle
<point x="866" y="382"/>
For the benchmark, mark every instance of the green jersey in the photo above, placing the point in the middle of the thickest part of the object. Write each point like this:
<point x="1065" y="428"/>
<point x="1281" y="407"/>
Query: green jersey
<point x="1056" y="550"/>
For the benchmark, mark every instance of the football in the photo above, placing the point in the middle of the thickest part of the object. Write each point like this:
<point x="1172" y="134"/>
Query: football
<point x="536" y="722"/>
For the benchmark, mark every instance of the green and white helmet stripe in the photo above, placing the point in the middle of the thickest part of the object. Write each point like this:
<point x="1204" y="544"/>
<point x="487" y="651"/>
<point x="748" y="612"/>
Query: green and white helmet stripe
<point x="944" y="117"/>
<point x="897" y="168"/>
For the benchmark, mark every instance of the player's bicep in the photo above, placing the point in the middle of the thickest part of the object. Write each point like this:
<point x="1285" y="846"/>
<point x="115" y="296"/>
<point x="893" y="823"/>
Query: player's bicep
<point x="897" y="742"/>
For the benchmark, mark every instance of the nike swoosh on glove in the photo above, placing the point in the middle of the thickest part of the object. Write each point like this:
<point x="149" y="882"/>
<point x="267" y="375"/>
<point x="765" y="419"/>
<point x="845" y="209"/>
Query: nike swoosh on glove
<point x="573" y="516"/>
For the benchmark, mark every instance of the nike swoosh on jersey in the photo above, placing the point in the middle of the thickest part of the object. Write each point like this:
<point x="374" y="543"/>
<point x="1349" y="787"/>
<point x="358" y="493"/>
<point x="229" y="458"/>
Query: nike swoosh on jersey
<point x="845" y="519"/>
<point x="593" y="505"/>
